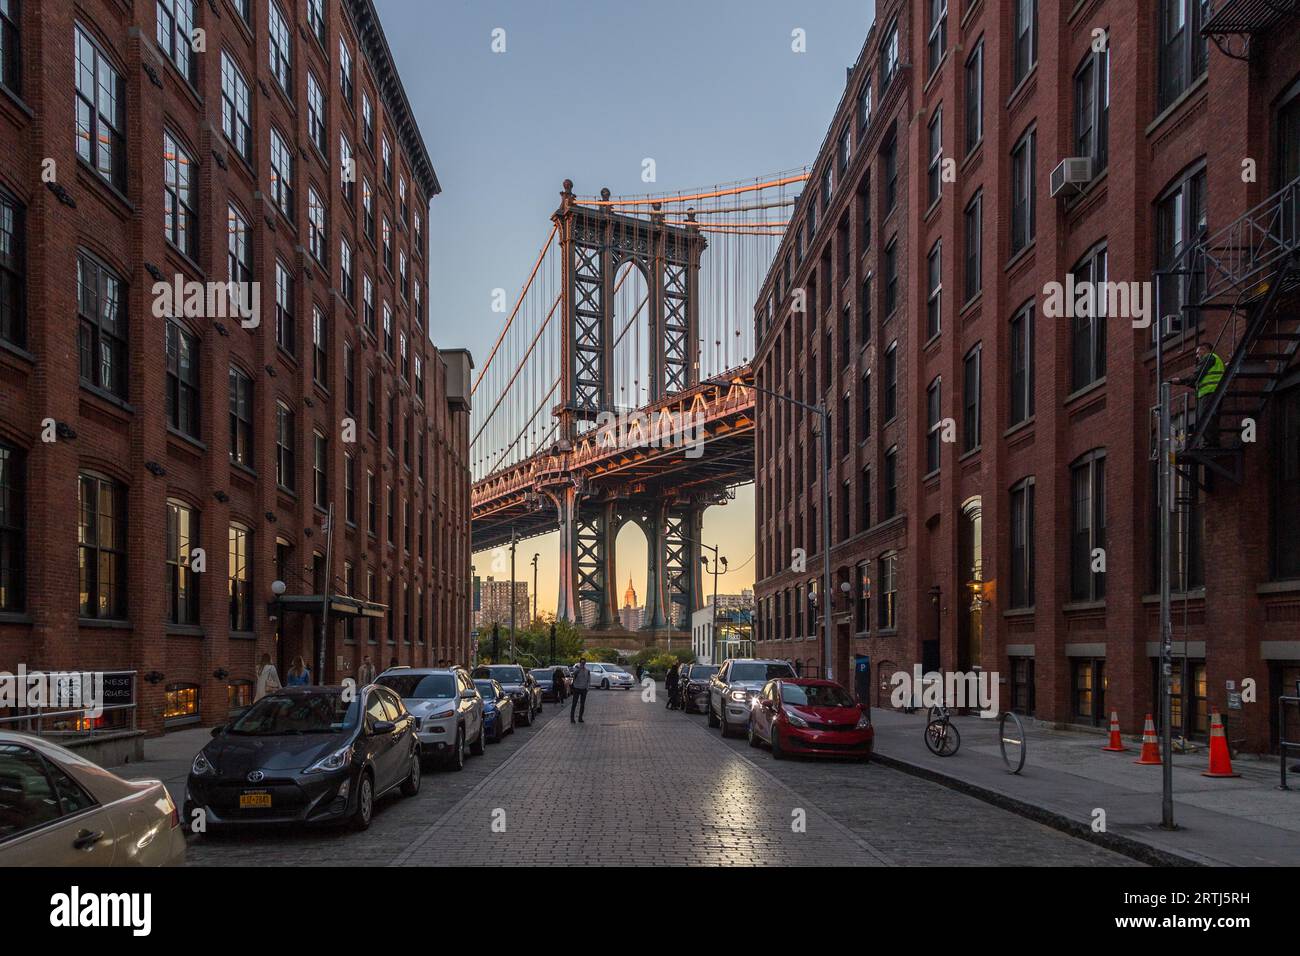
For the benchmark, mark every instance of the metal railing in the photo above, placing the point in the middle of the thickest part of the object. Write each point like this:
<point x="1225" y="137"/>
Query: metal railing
<point x="1252" y="243"/>
<point x="1283" y="745"/>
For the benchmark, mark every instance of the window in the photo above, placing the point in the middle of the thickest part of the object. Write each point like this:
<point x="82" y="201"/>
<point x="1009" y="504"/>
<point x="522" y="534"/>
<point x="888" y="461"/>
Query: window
<point x="864" y="310"/>
<point x="891" y="483"/>
<point x="1022" y="193"/>
<point x="1183" y="48"/>
<point x="346" y="284"/>
<point x="1024" y="34"/>
<point x="891" y="277"/>
<point x="934" y="297"/>
<point x="1087" y="525"/>
<point x="936" y="43"/>
<point x="889" y="154"/>
<point x="934" y="172"/>
<point x="888" y="56"/>
<point x="182" y="584"/>
<point x="403" y="278"/>
<point x="864" y="407"/>
<point x="281" y="41"/>
<point x="319" y="347"/>
<point x="102" y="325"/>
<point x="368" y="209"/>
<point x="887" y="603"/>
<point x="349" y="491"/>
<point x="1022" y="364"/>
<point x="891" y="382"/>
<point x="974" y="230"/>
<point x="319" y="464"/>
<point x="13" y="528"/>
<point x="284" y="304"/>
<point x="972" y="379"/>
<point x="1088" y="690"/>
<point x="388" y="246"/>
<point x="386" y="158"/>
<point x="180" y="196"/>
<point x="175" y="20"/>
<point x="182" y="380"/>
<point x="316" y="240"/>
<point x="1022" y="544"/>
<point x="372" y="506"/>
<point x="865" y="500"/>
<point x="101" y="107"/>
<point x="284" y="460"/>
<point x="239" y="260"/>
<point x="367" y="122"/>
<point x="368" y="302"/>
<point x="345" y="72"/>
<point x="281" y="174"/>
<point x="1288" y="138"/>
<point x="934" y="416"/>
<point x="13" y="269"/>
<point x="1088" y="327"/>
<point x="316" y="18"/>
<point x="388" y="332"/>
<point x="241" y="418"/>
<point x="864" y="106"/>
<point x="236" y="108"/>
<point x="1092" y="109"/>
<point x="241" y="594"/>
<point x="371" y="415"/>
<point x="419" y="383"/>
<point x="403" y="205"/>
<point x="1022" y="685"/>
<point x="975" y="97"/>
<point x="405" y="356"/>
<point x="390" y="515"/>
<point x="316" y="113"/>
<point x="11" y="73"/>
<point x="101" y="540"/>
<point x="347" y="171"/>
<point x="391" y="422"/>
<point x="1286" y="487"/>
<point x="1180" y="221"/>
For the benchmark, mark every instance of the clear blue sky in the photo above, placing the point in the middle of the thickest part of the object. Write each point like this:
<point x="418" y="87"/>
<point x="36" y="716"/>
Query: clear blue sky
<point x="710" y="89"/>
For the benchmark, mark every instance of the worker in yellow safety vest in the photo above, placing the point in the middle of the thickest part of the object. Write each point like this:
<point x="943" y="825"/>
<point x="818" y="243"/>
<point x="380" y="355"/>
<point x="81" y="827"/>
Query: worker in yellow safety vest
<point x="1206" y="379"/>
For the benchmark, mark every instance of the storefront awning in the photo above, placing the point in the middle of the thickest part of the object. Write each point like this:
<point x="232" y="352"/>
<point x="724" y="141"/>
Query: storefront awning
<point x="340" y="605"/>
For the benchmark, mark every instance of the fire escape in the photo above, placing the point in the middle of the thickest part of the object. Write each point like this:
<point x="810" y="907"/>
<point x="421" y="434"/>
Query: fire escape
<point x="1249" y="269"/>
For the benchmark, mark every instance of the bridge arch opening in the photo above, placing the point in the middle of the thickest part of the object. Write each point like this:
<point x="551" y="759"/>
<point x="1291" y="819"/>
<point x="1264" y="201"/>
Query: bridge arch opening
<point x="632" y="358"/>
<point x="632" y="580"/>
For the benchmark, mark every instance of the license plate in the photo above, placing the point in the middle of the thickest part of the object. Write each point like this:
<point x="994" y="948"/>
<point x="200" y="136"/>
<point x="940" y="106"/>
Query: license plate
<point x="254" y="801"/>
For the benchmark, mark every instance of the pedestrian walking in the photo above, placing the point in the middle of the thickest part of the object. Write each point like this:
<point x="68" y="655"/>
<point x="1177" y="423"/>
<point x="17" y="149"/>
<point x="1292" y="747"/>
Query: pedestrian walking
<point x="268" y="679"/>
<point x="581" y="681"/>
<point x="557" y="678"/>
<point x="670" y="686"/>
<point x="299" y="673"/>
<point x="366" y="672"/>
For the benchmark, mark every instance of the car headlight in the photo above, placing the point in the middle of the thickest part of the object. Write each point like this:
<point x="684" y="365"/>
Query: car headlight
<point x="739" y="695"/>
<point x="335" y="761"/>
<point x="795" y="719"/>
<point x="443" y="714"/>
<point x="864" y="721"/>
<point x="202" y="766"/>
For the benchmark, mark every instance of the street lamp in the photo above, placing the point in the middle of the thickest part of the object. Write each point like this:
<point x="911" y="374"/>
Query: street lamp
<point x="717" y="560"/>
<point x="535" y="557"/>
<point x="821" y="411"/>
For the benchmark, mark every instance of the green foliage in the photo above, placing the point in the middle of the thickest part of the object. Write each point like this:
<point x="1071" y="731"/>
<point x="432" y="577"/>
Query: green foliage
<point x="657" y="661"/>
<point x="533" y="644"/>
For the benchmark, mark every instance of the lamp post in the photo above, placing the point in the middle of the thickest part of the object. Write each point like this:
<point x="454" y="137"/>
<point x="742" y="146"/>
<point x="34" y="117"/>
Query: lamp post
<point x="822" y="412"/>
<point x="535" y="557"/>
<point x="713" y="618"/>
<point x="513" y="540"/>
<point x="278" y="588"/>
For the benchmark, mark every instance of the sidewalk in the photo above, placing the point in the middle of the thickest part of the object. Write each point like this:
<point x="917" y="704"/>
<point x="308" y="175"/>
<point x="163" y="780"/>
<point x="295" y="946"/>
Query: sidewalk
<point x="168" y="758"/>
<point x="1245" y="821"/>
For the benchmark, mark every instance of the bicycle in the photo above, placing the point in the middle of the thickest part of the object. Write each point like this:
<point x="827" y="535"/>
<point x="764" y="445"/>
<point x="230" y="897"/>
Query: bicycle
<point x="941" y="737"/>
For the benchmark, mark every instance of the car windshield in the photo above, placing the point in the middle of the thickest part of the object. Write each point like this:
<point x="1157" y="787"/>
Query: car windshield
<point x="419" y="686"/>
<point x="323" y="713"/>
<point x="701" y="671"/>
<point x="486" y="689"/>
<point x="505" y="673"/>
<point x="815" y="696"/>
<point x="758" y="671"/>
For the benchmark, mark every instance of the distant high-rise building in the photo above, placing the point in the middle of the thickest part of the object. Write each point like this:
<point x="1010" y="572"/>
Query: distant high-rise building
<point x="495" y="605"/>
<point x="630" y="614"/>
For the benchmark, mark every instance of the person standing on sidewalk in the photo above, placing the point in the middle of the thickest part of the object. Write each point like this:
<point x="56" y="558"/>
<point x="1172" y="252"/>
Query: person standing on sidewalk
<point x="557" y="679"/>
<point x="670" y="686"/>
<point x="268" y="678"/>
<point x="581" y="681"/>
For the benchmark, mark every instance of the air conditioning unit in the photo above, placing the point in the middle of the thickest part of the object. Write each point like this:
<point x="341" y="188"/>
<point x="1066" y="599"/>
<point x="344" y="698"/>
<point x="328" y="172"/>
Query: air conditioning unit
<point x="1073" y="171"/>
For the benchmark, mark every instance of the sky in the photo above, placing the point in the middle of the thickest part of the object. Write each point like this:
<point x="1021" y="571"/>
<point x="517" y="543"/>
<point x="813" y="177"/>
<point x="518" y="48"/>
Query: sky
<point x="712" y="90"/>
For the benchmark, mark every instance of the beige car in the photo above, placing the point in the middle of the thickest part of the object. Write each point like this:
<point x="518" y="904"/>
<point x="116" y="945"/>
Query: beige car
<point x="59" y="809"/>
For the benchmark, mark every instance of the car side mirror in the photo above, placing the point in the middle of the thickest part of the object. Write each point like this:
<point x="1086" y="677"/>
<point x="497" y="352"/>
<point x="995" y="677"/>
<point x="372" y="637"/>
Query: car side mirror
<point x="380" y="727"/>
<point x="218" y="730"/>
<point x="467" y="695"/>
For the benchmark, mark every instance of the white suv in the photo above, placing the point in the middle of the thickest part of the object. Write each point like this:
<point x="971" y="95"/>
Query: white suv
<point x="447" y="707"/>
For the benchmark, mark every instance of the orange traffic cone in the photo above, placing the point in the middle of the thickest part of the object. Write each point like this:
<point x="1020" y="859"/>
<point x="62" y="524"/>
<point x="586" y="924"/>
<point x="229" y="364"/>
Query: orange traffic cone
<point x="1150" y="748"/>
<point x="1116" y="745"/>
<point x="1220" y="759"/>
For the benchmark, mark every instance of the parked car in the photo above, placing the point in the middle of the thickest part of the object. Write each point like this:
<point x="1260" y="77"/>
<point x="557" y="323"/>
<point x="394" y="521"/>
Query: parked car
<point x="498" y="709"/>
<point x="609" y="676"/>
<point x="693" y="686"/>
<point x="307" y="755"/>
<point x="545" y="677"/>
<point x="519" y="684"/>
<point x="734" y="686"/>
<point x="59" y="809"/>
<point x="447" y="707"/>
<point x="810" y="716"/>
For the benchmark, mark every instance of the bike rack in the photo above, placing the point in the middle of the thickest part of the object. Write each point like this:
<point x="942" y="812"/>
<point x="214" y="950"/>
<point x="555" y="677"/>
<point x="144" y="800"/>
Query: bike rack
<point x="1020" y="743"/>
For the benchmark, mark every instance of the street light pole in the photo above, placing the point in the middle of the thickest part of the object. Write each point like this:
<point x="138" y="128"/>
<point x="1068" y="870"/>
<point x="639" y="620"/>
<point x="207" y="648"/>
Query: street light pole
<point x="713" y="619"/>
<point x="513" y="601"/>
<point x="535" y="557"/>
<point x="824" y="414"/>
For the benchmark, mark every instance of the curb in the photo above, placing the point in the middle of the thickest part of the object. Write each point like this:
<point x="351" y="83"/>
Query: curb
<point x="1131" y="847"/>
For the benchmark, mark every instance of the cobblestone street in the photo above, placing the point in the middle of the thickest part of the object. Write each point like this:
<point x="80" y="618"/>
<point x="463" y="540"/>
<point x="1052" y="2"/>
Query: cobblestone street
<point x="637" y="784"/>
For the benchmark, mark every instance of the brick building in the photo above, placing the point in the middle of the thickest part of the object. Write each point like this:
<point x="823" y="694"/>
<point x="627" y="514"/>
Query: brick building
<point x="1023" y="538"/>
<point x="495" y="604"/>
<point x="274" y="151"/>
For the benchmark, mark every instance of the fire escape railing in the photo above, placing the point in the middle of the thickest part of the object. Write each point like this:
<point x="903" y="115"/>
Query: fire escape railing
<point x="1230" y="17"/>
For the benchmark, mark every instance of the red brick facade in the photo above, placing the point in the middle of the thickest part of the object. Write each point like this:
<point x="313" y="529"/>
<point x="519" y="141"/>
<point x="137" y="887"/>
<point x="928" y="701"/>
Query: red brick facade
<point x="1070" y="647"/>
<point x="127" y="439"/>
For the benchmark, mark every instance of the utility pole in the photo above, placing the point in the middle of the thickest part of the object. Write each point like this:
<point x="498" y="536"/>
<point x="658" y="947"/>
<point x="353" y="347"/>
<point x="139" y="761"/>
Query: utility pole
<point x="1165" y="473"/>
<point x="718" y="561"/>
<point x="325" y="597"/>
<point x="513" y="601"/>
<point x="535" y="557"/>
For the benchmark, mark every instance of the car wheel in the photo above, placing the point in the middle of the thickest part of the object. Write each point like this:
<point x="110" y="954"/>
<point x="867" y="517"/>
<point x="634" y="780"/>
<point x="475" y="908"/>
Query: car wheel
<point x="477" y="748"/>
<point x="528" y="717"/>
<point x="457" y="759"/>
<point x="754" y="740"/>
<point x="722" y="722"/>
<point x="411" y="786"/>
<point x="777" y="752"/>
<point x="604" y="685"/>
<point x="713" y="718"/>
<point x="365" y="803"/>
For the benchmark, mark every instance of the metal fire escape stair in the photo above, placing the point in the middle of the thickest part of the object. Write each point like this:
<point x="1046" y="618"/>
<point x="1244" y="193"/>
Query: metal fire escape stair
<point x="1251" y="269"/>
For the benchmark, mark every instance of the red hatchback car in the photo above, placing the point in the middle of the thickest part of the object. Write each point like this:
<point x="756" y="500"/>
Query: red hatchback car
<point x="810" y="716"/>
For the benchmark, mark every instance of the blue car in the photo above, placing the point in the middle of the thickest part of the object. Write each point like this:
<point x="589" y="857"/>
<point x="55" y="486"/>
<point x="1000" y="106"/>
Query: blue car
<point x="498" y="710"/>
